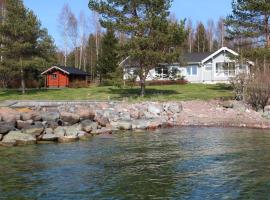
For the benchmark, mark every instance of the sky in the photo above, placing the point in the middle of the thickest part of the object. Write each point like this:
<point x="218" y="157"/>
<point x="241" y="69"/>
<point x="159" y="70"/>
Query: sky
<point x="198" y="10"/>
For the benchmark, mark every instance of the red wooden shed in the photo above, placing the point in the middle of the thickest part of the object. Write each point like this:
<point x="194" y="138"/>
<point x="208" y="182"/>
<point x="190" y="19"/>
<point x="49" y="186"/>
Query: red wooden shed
<point x="58" y="76"/>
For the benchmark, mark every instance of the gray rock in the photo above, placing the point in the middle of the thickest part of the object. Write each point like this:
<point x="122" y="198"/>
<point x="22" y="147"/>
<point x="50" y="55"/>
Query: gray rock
<point x="52" y="124"/>
<point x="103" y="130"/>
<point x="18" y="138"/>
<point x="24" y="124"/>
<point x="267" y="108"/>
<point x="48" y="135"/>
<point x="155" y="108"/>
<point x="6" y="127"/>
<point x="99" y="118"/>
<point x="68" y="139"/>
<point x="227" y="104"/>
<point x="71" y="118"/>
<point x="11" y="118"/>
<point x="26" y="116"/>
<point x="50" y="116"/>
<point x="140" y="124"/>
<point x="122" y="125"/>
<point x="173" y="107"/>
<point x="34" y="130"/>
<point x="71" y="131"/>
<point x="88" y="125"/>
<point x="60" y="131"/>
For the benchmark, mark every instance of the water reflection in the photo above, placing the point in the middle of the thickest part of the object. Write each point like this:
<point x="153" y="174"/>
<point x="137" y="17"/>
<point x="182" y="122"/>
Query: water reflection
<point x="188" y="163"/>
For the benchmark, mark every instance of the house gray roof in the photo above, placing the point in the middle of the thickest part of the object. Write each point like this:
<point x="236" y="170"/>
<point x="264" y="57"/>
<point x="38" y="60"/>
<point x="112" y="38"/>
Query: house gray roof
<point x="195" y="57"/>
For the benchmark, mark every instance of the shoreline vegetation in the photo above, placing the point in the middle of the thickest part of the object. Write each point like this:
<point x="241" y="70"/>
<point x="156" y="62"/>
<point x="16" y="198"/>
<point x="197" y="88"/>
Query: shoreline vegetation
<point x="71" y="122"/>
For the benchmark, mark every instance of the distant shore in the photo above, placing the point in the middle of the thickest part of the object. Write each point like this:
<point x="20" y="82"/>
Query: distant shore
<point x="30" y="122"/>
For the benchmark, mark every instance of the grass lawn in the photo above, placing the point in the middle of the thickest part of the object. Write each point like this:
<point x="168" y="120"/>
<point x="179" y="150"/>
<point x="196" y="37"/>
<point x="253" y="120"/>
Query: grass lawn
<point x="155" y="93"/>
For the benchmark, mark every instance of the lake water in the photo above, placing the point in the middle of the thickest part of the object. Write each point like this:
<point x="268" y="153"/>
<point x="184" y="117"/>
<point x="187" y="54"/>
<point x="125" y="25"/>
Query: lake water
<point x="186" y="163"/>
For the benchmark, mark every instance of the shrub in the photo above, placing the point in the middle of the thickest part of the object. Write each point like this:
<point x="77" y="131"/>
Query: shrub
<point x="238" y="84"/>
<point x="257" y="90"/>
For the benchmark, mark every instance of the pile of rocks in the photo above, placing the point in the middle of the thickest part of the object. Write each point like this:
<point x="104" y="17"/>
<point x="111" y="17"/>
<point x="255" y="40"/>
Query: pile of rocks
<point x="68" y="123"/>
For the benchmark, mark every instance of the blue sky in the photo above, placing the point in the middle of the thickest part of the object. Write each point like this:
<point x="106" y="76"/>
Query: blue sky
<point x="198" y="10"/>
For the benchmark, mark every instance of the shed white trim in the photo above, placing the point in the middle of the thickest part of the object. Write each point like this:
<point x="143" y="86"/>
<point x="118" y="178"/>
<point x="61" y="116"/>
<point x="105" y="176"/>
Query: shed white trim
<point x="54" y="67"/>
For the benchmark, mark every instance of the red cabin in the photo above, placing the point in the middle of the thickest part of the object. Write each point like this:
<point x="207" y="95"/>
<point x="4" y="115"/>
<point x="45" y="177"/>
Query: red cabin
<point x="64" y="77"/>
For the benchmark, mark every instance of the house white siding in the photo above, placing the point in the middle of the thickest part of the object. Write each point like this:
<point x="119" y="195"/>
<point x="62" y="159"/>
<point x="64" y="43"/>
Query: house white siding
<point x="219" y="67"/>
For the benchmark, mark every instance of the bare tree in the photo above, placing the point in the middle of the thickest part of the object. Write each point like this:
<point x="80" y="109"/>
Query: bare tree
<point x="63" y="25"/>
<point x="220" y="31"/>
<point x="83" y="40"/>
<point x="210" y="33"/>
<point x="97" y="28"/>
<point x="190" y="35"/>
<point x="73" y="35"/>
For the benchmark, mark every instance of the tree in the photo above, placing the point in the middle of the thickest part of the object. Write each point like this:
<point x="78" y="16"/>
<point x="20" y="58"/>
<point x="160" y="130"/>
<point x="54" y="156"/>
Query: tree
<point x="146" y="23"/>
<point x="201" y="41"/>
<point x="23" y="40"/>
<point x="250" y="19"/>
<point x="190" y="37"/>
<point x="210" y="34"/>
<point x="108" y="61"/>
<point x="220" y="32"/>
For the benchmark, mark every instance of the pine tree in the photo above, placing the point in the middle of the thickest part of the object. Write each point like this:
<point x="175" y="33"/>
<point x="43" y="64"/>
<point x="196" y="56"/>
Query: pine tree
<point x="146" y="24"/>
<point x="201" y="41"/>
<point x="25" y="44"/>
<point x="250" y="19"/>
<point x="108" y="61"/>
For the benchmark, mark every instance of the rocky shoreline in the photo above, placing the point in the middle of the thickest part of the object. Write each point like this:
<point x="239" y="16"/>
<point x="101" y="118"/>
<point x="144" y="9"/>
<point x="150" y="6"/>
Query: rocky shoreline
<point x="72" y="122"/>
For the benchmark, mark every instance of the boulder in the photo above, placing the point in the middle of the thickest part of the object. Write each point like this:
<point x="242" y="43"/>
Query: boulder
<point x="34" y="130"/>
<point x="18" y="138"/>
<point x="122" y="125"/>
<point x="99" y="118"/>
<point x="155" y="109"/>
<point x="103" y="130"/>
<point x="9" y="115"/>
<point x="24" y="124"/>
<point x="60" y="131"/>
<point x="50" y="116"/>
<point x="173" y="107"/>
<point x="86" y="114"/>
<point x="67" y="139"/>
<point x="140" y="124"/>
<point x="6" y="127"/>
<point x="26" y="116"/>
<point x="227" y="104"/>
<point x="88" y="126"/>
<point x="71" y="118"/>
<point x="36" y="116"/>
<point x="71" y="131"/>
<point x="1" y="137"/>
<point x="53" y="124"/>
<point x="48" y="135"/>
<point x="267" y="108"/>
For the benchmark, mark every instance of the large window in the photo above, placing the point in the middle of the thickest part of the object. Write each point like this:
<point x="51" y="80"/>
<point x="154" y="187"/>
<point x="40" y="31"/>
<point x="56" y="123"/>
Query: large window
<point x="192" y="70"/>
<point x="225" y="68"/>
<point x="162" y="72"/>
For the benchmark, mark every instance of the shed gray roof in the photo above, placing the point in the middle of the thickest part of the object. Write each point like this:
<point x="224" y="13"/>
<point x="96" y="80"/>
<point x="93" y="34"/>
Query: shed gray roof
<point x="73" y="70"/>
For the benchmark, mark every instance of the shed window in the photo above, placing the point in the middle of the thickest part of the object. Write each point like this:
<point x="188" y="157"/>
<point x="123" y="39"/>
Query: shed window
<point x="192" y="70"/>
<point x="54" y="76"/>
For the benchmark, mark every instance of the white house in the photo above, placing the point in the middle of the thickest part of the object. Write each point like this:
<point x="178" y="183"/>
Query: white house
<point x="215" y="67"/>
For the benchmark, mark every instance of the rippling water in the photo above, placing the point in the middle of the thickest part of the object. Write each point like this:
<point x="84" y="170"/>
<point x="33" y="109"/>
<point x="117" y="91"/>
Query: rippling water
<point x="189" y="163"/>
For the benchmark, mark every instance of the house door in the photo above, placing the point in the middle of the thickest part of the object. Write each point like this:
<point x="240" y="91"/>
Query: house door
<point x="207" y="76"/>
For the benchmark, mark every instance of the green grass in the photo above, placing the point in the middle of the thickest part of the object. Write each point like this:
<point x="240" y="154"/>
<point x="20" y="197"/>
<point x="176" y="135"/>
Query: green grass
<point x="155" y="93"/>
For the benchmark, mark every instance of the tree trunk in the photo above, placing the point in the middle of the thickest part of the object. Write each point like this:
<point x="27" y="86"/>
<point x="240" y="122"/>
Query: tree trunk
<point x="22" y="77"/>
<point x="142" y="82"/>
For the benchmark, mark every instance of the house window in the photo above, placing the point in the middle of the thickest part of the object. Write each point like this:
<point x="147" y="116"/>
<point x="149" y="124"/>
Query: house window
<point x="192" y="70"/>
<point x="162" y="72"/>
<point x="54" y="76"/>
<point x="225" y="68"/>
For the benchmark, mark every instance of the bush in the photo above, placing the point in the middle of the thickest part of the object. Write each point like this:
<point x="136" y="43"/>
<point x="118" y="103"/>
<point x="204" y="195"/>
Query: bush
<point x="257" y="90"/>
<point x="238" y="84"/>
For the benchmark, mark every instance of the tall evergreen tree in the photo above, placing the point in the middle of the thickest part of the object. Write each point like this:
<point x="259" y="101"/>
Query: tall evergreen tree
<point x="250" y="19"/>
<point x="25" y="44"/>
<point x="201" y="41"/>
<point x="146" y="24"/>
<point x="109" y="59"/>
